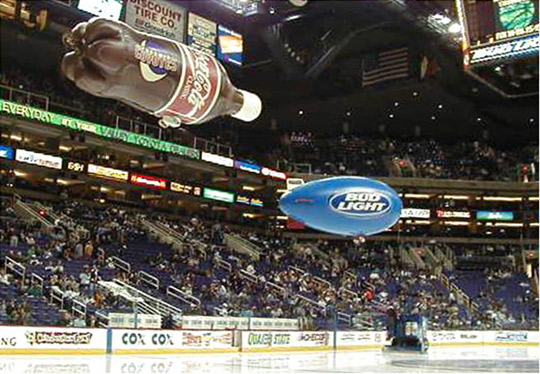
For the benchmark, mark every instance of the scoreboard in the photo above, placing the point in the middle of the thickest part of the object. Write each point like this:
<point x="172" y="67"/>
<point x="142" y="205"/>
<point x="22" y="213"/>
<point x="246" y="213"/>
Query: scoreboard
<point x="498" y="29"/>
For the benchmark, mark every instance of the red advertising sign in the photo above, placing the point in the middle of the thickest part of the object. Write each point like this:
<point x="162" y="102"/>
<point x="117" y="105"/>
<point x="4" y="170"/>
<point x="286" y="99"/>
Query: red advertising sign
<point x="148" y="181"/>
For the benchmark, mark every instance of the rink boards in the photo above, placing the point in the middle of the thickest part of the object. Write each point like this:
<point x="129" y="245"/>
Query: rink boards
<point x="53" y="340"/>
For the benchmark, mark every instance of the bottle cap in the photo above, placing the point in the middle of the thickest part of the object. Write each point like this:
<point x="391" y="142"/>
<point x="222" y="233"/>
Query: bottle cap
<point x="251" y="108"/>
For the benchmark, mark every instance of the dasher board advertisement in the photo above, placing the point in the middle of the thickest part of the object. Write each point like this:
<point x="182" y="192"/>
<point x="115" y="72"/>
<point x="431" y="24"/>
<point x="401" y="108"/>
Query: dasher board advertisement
<point x="160" y="17"/>
<point x="27" y="338"/>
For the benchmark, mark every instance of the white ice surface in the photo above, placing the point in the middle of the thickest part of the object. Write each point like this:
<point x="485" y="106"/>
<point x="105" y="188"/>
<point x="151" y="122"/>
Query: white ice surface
<point x="476" y="359"/>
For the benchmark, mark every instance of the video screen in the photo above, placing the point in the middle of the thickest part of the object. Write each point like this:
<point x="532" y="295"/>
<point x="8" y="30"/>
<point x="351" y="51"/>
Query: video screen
<point x="497" y="20"/>
<point x="230" y="46"/>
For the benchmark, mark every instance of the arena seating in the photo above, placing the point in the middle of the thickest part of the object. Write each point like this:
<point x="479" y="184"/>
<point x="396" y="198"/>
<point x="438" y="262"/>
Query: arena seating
<point x="285" y="281"/>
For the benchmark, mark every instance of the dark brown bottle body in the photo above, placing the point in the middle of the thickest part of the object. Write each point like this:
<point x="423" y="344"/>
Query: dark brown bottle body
<point x="154" y="74"/>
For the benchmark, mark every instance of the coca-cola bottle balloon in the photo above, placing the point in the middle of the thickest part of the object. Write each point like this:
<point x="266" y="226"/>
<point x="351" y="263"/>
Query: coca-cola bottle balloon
<point x="168" y="79"/>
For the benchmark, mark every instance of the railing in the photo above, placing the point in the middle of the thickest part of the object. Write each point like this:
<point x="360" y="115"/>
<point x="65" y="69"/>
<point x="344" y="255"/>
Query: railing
<point x="297" y="269"/>
<point x="248" y="276"/>
<point x="295" y="167"/>
<point x="24" y="210"/>
<point x="347" y="291"/>
<point x="405" y="257"/>
<point x="276" y="286"/>
<point x="312" y="302"/>
<point x="416" y="259"/>
<point x="24" y="97"/>
<point x="182" y="296"/>
<point x="350" y="274"/>
<point x="36" y="279"/>
<point x="151" y="304"/>
<point x="16" y="267"/>
<point x="212" y="147"/>
<point x="224" y="265"/>
<point x="78" y="309"/>
<point x="179" y="237"/>
<point x="242" y="245"/>
<point x="344" y="317"/>
<point x="147" y="309"/>
<point x="460" y="294"/>
<point x="101" y="255"/>
<point x="57" y="296"/>
<point x="138" y="127"/>
<point x="155" y="131"/>
<point x="169" y="236"/>
<point x="121" y="264"/>
<point x="149" y="279"/>
<point x="101" y="318"/>
<point x="66" y="220"/>
<point x="323" y="281"/>
<point x="361" y="323"/>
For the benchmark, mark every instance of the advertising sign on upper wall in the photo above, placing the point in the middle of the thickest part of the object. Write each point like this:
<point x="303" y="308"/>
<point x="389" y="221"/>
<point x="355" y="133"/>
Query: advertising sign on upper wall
<point x="6" y="152"/>
<point x="40" y="159"/>
<point x="160" y="17"/>
<point x="230" y="46"/>
<point x="202" y="34"/>
<point x="110" y="9"/>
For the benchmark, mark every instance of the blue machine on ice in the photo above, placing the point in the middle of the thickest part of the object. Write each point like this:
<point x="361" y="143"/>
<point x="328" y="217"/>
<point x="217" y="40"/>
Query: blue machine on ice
<point x="349" y="206"/>
<point x="409" y="333"/>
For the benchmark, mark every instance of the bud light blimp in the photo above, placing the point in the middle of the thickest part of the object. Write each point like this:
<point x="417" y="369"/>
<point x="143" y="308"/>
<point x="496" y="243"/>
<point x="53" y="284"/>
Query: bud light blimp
<point x="349" y="206"/>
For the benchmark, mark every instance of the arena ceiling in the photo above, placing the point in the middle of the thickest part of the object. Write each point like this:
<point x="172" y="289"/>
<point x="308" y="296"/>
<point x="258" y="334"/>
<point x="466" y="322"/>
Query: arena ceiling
<point x="308" y="60"/>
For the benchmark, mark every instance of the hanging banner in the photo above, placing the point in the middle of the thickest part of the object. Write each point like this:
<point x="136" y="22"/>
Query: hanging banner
<point x="30" y="113"/>
<point x="202" y="34"/>
<point x="158" y="17"/>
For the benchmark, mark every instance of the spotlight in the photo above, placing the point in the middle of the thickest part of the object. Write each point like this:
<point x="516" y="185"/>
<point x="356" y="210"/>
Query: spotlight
<point x="454" y="28"/>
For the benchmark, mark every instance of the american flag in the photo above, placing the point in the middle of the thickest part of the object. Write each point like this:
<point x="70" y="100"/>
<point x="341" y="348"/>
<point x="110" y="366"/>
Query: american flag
<point x="385" y="66"/>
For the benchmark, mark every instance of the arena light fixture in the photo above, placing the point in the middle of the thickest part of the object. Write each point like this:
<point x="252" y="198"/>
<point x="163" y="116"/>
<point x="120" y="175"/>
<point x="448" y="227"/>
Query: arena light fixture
<point x="298" y="3"/>
<point x="417" y="196"/>
<point x="533" y="198"/>
<point x="456" y="223"/>
<point x="20" y="174"/>
<point x="501" y="198"/>
<point x="533" y="224"/>
<point x="456" y="197"/>
<point x="500" y="224"/>
<point x="248" y="188"/>
<point x="421" y="222"/>
<point x="454" y="28"/>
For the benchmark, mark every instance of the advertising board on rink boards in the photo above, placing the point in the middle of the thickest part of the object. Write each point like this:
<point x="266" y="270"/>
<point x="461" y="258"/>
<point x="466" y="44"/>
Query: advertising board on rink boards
<point x="464" y="337"/>
<point x="170" y="341"/>
<point x="458" y="337"/>
<point x="49" y="340"/>
<point x="286" y="340"/>
<point x="360" y="339"/>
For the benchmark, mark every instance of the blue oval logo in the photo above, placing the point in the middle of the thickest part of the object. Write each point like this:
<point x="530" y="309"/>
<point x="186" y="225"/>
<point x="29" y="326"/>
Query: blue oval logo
<point x="362" y="203"/>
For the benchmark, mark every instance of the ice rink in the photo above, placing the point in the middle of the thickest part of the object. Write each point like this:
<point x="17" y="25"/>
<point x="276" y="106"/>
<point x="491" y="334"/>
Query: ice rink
<point x="463" y="360"/>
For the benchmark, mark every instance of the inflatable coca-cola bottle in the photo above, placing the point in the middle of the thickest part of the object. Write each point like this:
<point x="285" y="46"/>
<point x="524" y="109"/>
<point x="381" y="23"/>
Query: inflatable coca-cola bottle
<point x="168" y="79"/>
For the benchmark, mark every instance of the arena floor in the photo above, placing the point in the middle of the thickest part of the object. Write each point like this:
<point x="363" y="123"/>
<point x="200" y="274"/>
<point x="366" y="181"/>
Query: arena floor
<point x="463" y="360"/>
